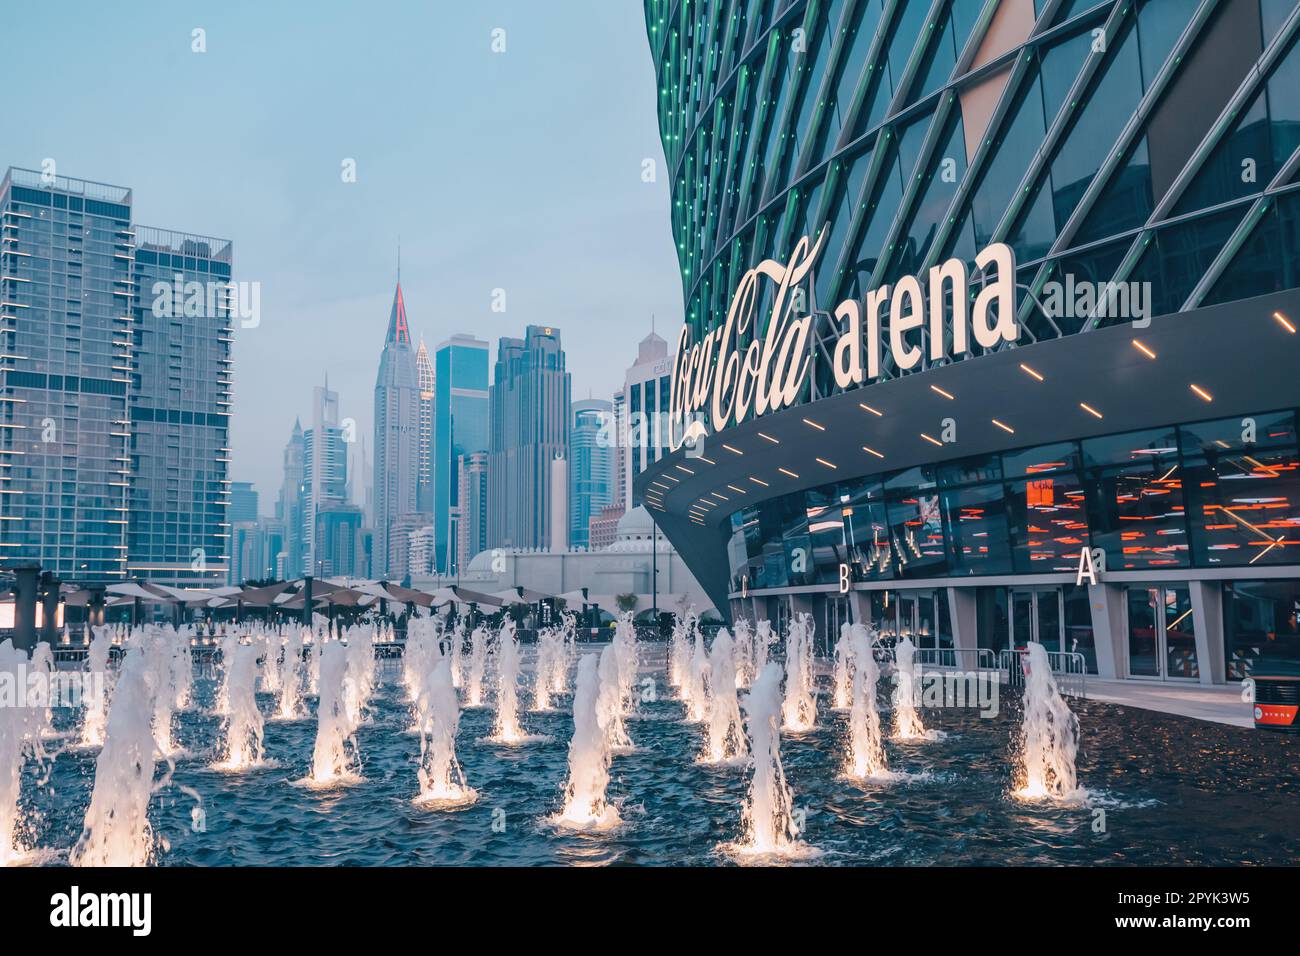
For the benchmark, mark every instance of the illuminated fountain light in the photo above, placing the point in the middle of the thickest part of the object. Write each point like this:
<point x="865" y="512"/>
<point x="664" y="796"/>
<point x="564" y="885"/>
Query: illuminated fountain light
<point x="842" y="695"/>
<point x="799" y="709"/>
<point x="907" y="718"/>
<point x="726" y="742"/>
<point x="769" y="831"/>
<point x="243" y="725"/>
<point x="507" y="730"/>
<point x="609" y="704"/>
<point x="157" y="648"/>
<point x="333" y="761"/>
<point x="1049" y="737"/>
<point x="478" y="655"/>
<point x="866" y="758"/>
<point x="697" y="682"/>
<point x="116" y="830"/>
<point x="442" y="782"/>
<point x="95" y="719"/>
<point x="585" y="803"/>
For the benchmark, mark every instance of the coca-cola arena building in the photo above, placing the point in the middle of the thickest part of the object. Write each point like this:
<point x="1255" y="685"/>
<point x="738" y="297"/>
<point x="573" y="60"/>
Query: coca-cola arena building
<point x="991" y="322"/>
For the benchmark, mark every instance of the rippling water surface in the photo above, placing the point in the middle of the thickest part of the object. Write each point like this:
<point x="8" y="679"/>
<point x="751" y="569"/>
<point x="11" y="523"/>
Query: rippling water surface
<point x="1172" y="790"/>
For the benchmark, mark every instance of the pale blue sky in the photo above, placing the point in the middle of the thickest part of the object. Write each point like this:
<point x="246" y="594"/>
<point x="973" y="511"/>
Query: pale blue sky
<point x="519" y="171"/>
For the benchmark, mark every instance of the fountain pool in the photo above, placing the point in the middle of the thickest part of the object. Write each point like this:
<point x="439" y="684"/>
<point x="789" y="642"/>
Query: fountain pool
<point x="1166" y="785"/>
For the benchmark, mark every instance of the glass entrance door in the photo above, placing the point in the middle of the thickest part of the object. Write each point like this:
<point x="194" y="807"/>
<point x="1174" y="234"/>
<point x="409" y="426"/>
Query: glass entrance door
<point x="1162" y="633"/>
<point x="1036" y="616"/>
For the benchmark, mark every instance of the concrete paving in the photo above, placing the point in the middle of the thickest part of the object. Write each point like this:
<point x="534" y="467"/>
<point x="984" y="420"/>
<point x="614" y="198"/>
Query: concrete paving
<point x="1219" y="704"/>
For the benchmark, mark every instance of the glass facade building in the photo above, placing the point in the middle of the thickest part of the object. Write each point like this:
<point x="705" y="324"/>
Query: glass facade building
<point x="115" y="382"/>
<point x="1145" y="149"/>
<point x="460" y="424"/>
<point x="591" y="467"/>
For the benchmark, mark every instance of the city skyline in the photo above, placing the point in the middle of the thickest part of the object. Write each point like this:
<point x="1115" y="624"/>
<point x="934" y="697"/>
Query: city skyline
<point x="523" y="214"/>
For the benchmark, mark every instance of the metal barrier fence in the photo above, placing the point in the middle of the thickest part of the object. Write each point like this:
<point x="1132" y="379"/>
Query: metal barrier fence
<point x="1070" y="669"/>
<point x="956" y="658"/>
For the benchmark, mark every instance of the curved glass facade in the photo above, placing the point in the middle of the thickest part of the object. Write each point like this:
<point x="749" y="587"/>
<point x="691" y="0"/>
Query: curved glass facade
<point x="1118" y="141"/>
<point x="1151" y="146"/>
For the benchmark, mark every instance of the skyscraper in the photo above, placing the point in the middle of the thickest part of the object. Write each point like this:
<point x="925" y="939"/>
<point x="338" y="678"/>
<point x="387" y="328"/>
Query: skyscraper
<point x="529" y="429"/>
<point x="646" y="388"/>
<point x="243" y="501"/>
<point x="325" y="470"/>
<point x="460" y="428"/>
<point x="289" y="507"/>
<point x="425" y="377"/>
<point x="397" y="435"/>
<point x="180" y="406"/>
<point x="336" y="539"/>
<point x="115" y="387"/>
<point x="591" y="466"/>
<point x="472" y="526"/>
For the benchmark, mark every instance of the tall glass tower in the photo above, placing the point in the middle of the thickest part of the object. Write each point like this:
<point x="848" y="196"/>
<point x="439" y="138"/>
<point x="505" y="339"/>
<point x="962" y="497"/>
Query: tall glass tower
<point x="397" y="436"/>
<point x="424" y="482"/>
<point x="530" y="429"/>
<point x="460" y="428"/>
<point x="591" y="466"/>
<point x="180" y="409"/>
<point x="114" y="387"/>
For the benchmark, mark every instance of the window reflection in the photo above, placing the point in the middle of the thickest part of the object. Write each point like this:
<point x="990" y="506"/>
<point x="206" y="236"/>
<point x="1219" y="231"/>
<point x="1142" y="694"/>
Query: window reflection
<point x="1047" y="522"/>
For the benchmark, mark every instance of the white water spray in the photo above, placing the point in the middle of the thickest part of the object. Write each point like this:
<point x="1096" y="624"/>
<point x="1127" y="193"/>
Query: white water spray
<point x="799" y="709"/>
<point x="866" y="747"/>
<point x="726" y="732"/>
<point x="442" y="782"/>
<point x="333" y="755"/>
<point x="768" y="818"/>
<point x="243" y="726"/>
<point x="585" y="803"/>
<point x="1049" y="737"/>
<point x="907" y="719"/>
<point x="116" y="830"/>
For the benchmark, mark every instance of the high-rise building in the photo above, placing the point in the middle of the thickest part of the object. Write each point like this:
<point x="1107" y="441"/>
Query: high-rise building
<point x="419" y="561"/>
<point x="621" y="483"/>
<point x="591" y="466"/>
<point x="529" y="429"/>
<point x="646" y="389"/>
<point x="114" y="387"/>
<point x="460" y="428"/>
<point x="424" y="481"/>
<point x="289" y="507"/>
<point x="336" y="538"/>
<point x="397" y="435"/>
<point x="472" y="524"/>
<point x="325" y="469"/>
<point x="243" y="501"/>
<point x="403" y="529"/>
<point x="255" y="549"/>
<point x="180" y="408"/>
